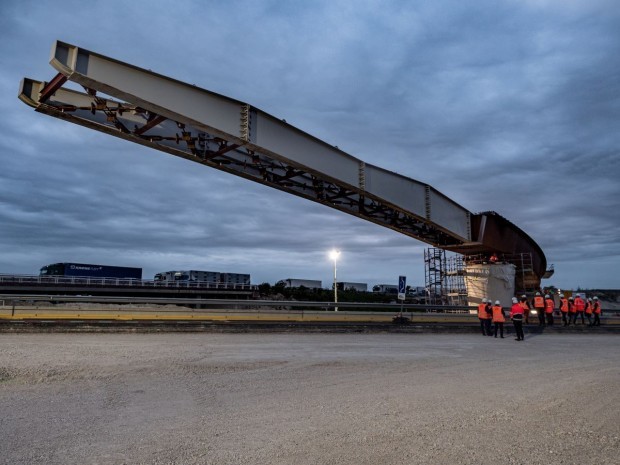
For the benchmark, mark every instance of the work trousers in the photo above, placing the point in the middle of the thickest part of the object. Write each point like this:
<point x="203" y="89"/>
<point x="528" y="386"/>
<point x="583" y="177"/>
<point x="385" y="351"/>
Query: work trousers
<point x="597" y="320"/>
<point x="483" y="326"/>
<point x="589" y="317"/>
<point x="572" y="317"/>
<point x="499" y="325"/>
<point x="541" y="316"/>
<point x="580" y="314"/>
<point x="519" y="329"/>
<point x="565" y="319"/>
<point x="550" y="319"/>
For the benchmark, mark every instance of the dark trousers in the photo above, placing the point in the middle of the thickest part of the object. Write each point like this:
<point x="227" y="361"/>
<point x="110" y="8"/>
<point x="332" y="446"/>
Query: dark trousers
<point x="483" y="326"/>
<point x="572" y="317"/>
<point x="550" y="319"/>
<point x="541" y="316"/>
<point x="597" y="320"/>
<point x="589" y="317"/>
<point x="580" y="314"/>
<point x="565" y="319"/>
<point x="499" y="325"/>
<point x="519" y="329"/>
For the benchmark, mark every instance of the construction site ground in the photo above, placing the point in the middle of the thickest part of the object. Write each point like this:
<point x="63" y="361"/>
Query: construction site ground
<point x="308" y="398"/>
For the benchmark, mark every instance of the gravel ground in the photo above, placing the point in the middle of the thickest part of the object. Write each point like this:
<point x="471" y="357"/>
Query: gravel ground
<point x="308" y="399"/>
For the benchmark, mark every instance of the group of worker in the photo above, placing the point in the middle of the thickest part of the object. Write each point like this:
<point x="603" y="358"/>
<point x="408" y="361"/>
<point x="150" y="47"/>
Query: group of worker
<point x="571" y="309"/>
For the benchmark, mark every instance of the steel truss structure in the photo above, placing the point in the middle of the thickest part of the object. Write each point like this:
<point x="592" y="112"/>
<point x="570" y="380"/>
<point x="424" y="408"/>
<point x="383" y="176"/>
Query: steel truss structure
<point x="216" y="131"/>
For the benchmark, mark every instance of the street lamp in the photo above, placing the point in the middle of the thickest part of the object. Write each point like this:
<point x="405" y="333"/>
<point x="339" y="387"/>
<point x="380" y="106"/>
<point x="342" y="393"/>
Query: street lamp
<point x="334" y="254"/>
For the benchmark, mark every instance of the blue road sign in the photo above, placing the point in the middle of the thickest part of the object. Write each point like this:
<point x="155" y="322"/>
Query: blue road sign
<point x="402" y="287"/>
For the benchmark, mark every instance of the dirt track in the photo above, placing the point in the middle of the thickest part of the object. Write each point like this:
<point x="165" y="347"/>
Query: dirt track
<point x="308" y="399"/>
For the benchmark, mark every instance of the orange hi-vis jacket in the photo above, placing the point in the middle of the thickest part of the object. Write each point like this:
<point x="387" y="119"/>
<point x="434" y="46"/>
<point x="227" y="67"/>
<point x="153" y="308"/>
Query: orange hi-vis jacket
<point x="482" y="312"/>
<point x="498" y="315"/>
<point x="580" y="305"/>
<point x="571" y="306"/>
<point x="597" y="307"/>
<point x="589" y="308"/>
<point x="549" y="305"/>
<point x="539" y="302"/>
<point x="525" y="306"/>
<point x="564" y="304"/>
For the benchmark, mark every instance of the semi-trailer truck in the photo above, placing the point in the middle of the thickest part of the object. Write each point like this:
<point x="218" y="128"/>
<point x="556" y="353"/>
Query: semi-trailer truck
<point x="88" y="270"/>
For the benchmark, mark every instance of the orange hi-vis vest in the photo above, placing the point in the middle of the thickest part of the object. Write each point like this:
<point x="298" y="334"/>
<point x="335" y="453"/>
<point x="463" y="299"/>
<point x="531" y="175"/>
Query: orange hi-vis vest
<point x="589" y="308"/>
<point x="579" y="304"/>
<point x="564" y="305"/>
<point x="597" y="308"/>
<point x="525" y="306"/>
<point x="498" y="316"/>
<point x="549" y="305"/>
<point x="571" y="307"/>
<point x="482" y="312"/>
<point x="539" y="302"/>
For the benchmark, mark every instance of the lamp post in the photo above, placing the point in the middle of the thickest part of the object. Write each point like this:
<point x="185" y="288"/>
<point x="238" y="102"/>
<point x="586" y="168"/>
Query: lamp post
<point x="334" y="254"/>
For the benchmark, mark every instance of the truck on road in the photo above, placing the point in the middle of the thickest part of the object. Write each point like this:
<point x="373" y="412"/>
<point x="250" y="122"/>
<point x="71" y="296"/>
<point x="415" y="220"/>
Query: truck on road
<point x="90" y="271"/>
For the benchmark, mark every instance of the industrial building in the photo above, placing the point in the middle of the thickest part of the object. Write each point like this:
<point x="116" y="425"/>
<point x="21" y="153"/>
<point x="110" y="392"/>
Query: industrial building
<point x="211" y="277"/>
<point x="307" y="283"/>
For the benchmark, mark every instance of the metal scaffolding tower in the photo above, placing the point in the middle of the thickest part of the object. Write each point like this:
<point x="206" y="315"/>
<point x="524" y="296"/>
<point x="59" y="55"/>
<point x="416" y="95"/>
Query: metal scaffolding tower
<point x="444" y="278"/>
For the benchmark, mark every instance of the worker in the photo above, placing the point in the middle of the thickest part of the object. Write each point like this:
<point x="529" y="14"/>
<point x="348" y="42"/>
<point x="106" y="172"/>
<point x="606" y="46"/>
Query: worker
<point x="572" y="311"/>
<point x="549" y="307"/>
<point x="489" y="310"/>
<point x="588" y="311"/>
<point x="498" y="318"/>
<point x="580" y="306"/>
<point x="526" y="309"/>
<point x="539" y="305"/>
<point x="596" y="309"/>
<point x="484" y="317"/>
<point x="516" y="313"/>
<point x="564" y="305"/>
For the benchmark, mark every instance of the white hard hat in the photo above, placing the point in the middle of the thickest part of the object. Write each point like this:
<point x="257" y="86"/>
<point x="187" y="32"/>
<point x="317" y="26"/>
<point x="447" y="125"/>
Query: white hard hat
<point x="547" y="296"/>
<point x="497" y="302"/>
<point x="523" y="296"/>
<point x="515" y="300"/>
<point x="562" y="295"/>
<point x="538" y="293"/>
<point x="595" y="298"/>
<point x="484" y="301"/>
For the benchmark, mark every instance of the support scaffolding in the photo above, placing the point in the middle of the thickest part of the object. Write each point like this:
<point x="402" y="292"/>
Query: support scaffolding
<point x="444" y="278"/>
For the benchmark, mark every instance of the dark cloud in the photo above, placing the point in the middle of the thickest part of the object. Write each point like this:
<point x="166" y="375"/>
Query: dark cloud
<point x="506" y="106"/>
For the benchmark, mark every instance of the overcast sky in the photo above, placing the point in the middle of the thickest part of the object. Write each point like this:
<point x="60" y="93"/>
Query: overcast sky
<point x="511" y="106"/>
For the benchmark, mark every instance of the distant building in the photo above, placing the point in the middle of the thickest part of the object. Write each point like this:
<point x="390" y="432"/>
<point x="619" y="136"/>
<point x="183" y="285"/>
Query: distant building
<point x="211" y="277"/>
<point x="345" y="286"/>
<point x="385" y="289"/>
<point x="307" y="283"/>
